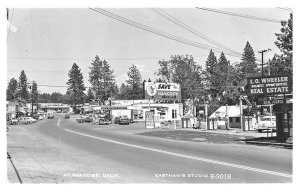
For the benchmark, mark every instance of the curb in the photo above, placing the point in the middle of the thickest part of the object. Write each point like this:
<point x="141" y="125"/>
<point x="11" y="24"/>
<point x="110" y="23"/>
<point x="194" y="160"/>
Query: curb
<point x="286" y="145"/>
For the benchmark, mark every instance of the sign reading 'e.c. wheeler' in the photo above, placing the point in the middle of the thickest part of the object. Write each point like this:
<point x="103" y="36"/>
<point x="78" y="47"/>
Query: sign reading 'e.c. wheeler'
<point x="269" y="85"/>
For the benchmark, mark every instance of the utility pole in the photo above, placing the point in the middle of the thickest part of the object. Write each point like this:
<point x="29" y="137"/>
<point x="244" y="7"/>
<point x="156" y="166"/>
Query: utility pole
<point x="262" y="59"/>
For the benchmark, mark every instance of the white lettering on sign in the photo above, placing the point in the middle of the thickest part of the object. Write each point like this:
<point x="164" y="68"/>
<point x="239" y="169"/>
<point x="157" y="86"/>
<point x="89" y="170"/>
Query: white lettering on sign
<point x="274" y="79"/>
<point x="256" y="91"/>
<point x="277" y="90"/>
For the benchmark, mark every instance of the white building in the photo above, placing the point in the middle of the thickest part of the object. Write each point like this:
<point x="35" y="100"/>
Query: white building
<point x="136" y="109"/>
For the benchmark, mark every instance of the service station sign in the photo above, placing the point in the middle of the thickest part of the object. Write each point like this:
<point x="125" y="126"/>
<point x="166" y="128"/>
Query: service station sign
<point x="162" y="91"/>
<point x="269" y="85"/>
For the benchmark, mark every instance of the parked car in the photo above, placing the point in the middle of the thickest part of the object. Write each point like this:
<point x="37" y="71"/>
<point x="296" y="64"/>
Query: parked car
<point x="103" y="120"/>
<point x="14" y="121"/>
<point x="267" y="123"/>
<point x="67" y="116"/>
<point x="88" y="119"/>
<point x="124" y="120"/>
<point x="117" y="120"/>
<point x="26" y="120"/>
<point x="80" y="119"/>
<point x="35" y="116"/>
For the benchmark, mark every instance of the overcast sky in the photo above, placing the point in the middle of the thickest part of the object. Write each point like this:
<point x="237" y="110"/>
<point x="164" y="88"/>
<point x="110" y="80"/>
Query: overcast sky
<point x="47" y="42"/>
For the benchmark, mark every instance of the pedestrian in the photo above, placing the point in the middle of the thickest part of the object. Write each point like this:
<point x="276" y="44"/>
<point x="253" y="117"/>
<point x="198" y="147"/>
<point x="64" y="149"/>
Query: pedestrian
<point x="192" y="122"/>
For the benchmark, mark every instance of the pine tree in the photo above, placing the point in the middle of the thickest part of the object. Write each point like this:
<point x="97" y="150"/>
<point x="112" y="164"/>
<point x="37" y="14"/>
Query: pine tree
<point x="124" y="90"/>
<point x="11" y="90"/>
<point x="248" y="66"/>
<point x="23" y="93"/>
<point x="211" y="64"/>
<point x="134" y="83"/>
<point x="102" y="79"/>
<point x="34" y="92"/>
<point x="285" y="44"/>
<point x="76" y="86"/>
<point x="211" y="73"/>
<point x="223" y="69"/>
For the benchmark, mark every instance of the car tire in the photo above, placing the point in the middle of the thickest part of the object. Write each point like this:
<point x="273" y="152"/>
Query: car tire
<point x="259" y="130"/>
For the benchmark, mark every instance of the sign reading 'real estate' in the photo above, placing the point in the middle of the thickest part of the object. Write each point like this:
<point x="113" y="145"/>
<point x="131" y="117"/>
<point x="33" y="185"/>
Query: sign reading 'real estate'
<point x="162" y="91"/>
<point x="269" y="85"/>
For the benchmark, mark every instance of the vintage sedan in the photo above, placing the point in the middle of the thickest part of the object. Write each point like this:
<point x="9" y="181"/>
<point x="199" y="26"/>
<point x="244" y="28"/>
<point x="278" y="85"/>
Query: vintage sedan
<point x="26" y="120"/>
<point x="124" y="120"/>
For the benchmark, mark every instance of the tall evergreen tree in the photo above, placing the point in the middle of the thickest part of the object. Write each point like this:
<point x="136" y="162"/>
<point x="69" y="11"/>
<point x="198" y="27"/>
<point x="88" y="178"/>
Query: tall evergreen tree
<point x="23" y="93"/>
<point x="11" y="90"/>
<point x="124" y="91"/>
<point x="76" y="86"/>
<point x="285" y="44"/>
<point x="248" y="66"/>
<point x="101" y="78"/>
<point x="135" y="86"/>
<point x="223" y="70"/>
<point x="211" y="64"/>
<point x="211" y="73"/>
<point x="34" y="92"/>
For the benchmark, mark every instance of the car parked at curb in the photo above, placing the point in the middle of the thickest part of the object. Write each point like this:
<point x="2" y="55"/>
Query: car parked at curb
<point x="88" y="119"/>
<point x="124" y="120"/>
<point x="117" y="120"/>
<point x="26" y="120"/>
<point x="80" y="119"/>
<point x="14" y="121"/>
<point x="267" y="123"/>
<point x="103" y="120"/>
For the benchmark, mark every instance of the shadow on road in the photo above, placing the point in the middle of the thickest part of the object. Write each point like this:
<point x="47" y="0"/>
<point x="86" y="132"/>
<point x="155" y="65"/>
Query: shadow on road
<point x="193" y="136"/>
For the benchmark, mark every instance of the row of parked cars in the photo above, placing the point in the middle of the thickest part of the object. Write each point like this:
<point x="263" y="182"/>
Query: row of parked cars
<point x="122" y="120"/>
<point x="100" y="119"/>
<point x="31" y="119"/>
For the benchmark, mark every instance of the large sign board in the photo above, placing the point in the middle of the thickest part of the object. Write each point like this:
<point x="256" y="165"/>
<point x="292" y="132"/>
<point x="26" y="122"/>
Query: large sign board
<point x="269" y="85"/>
<point x="162" y="91"/>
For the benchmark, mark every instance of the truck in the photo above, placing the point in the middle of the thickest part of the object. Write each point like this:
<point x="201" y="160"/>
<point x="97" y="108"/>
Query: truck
<point x="267" y="123"/>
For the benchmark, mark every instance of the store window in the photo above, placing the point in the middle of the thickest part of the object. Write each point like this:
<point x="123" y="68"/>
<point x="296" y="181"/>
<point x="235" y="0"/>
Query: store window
<point x="237" y="119"/>
<point x="230" y="119"/>
<point x="174" y="113"/>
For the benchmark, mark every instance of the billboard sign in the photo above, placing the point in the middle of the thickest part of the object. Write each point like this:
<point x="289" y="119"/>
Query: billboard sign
<point x="162" y="91"/>
<point x="269" y="85"/>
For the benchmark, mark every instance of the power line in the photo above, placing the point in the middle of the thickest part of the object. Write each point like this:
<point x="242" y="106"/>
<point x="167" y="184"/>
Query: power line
<point x="161" y="33"/>
<point x="171" y="18"/>
<point x="286" y="9"/>
<point x="241" y="15"/>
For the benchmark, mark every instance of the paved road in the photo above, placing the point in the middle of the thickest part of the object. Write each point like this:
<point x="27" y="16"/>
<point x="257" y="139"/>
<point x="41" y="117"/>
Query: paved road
<point x="119" y="154"/>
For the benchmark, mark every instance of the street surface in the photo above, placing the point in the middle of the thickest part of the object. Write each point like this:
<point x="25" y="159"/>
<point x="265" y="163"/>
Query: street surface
<point x="62" y="151"/>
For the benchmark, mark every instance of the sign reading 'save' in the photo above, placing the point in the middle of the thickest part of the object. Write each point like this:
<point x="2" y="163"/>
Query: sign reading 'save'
<point x="269" y="85"/>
